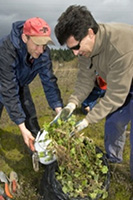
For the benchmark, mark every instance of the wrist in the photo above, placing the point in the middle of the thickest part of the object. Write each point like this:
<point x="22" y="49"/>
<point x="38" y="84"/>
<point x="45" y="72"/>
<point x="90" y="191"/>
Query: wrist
<point x="71" y="106"/>
<point x="58" y="110"/>
<point x="86" y="122"/>
<point x="21" y="126"/>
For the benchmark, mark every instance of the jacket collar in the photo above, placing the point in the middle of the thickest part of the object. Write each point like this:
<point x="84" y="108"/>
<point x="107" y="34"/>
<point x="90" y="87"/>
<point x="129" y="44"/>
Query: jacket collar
<point x="99" y="41"/>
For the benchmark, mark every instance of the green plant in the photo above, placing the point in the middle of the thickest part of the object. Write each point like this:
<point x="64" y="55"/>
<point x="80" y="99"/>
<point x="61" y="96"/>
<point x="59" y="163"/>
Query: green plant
<point x="81" y="169"/>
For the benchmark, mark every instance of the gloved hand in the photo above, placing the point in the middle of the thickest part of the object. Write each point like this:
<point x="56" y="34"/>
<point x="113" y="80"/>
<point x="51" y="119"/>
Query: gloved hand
<point x="80" y="126"/>
<point x="67" y="111"/>
<point x="54" y="121"/>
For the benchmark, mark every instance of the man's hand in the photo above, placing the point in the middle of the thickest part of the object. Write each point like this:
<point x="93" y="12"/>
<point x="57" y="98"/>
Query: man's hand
<point x="54" y="121"/>
<point x="58" y="110"/>
<point x="80" y="126"/>
<point x="87" y="109"/>
<point x="67" y="111"/>
<point x="64" y="113"/>
<point x="27" y="136"/>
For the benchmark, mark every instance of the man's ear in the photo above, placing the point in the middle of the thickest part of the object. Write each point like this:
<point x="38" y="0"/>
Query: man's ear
<point x="91" y="33"/>
<point x="24" y="38"/>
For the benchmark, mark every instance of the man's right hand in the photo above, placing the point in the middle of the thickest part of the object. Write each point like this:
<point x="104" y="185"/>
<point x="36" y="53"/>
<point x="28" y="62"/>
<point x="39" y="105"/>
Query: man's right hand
<point x="27" y="136"/>
<point x="65" y="113"/>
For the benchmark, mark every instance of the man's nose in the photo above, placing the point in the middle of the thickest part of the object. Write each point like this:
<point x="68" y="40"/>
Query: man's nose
<point x="76" y="52"/>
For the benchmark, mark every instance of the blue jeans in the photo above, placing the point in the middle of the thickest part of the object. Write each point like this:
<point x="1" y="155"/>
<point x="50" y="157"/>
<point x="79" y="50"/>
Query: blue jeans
<point x="115" y="126"/>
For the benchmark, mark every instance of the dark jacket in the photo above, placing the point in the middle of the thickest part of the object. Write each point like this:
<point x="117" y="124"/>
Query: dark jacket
<point x="15" y="72"/>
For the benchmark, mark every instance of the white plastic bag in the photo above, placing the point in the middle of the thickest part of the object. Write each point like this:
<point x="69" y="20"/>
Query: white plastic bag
<point x="41" y="143"/>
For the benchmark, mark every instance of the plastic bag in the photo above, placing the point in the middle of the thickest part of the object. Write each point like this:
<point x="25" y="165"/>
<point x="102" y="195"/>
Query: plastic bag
<point x="51" y="189"/>
<point x="41" y="143"/>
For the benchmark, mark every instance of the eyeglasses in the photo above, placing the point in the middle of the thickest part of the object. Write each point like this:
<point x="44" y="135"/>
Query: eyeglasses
<point x="76" y="47"/>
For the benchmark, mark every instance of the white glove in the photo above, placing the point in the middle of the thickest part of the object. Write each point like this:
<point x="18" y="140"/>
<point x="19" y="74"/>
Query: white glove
<point x="67" y="111"/>
<point x="54" y="121"/>
<point x="81" y="125"/>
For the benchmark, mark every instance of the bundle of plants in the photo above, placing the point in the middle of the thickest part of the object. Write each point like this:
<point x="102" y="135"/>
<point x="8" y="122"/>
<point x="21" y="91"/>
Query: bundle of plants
<point x="81" y="172"/>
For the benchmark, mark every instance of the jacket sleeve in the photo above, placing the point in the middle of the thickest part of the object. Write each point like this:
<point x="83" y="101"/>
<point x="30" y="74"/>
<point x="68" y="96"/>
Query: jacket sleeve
<point x="49" y="82"/>
<point x="119" y="80"/>
<point x="85" y="81"/>
<point x="9" y="89"/>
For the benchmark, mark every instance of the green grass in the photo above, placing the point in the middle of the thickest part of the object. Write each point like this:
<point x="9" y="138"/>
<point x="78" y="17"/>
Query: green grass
<point x="15" y="156"/>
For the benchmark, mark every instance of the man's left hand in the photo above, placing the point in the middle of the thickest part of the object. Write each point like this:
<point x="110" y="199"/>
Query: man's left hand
<point x="80" y="126"/>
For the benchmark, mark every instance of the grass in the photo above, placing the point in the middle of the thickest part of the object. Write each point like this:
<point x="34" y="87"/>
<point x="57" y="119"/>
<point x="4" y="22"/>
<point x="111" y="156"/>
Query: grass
<point x="14" y="155"/>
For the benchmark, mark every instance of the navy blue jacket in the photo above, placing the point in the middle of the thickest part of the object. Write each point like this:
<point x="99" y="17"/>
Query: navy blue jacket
<point x="15" y="72"/>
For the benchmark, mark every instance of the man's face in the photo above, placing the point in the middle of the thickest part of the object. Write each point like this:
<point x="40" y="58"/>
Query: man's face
<point x="33" y="49"/>
<point x="83" y="47"/>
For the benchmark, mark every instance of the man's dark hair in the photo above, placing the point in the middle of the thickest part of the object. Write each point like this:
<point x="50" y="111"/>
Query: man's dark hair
<point x="75" y="21"/>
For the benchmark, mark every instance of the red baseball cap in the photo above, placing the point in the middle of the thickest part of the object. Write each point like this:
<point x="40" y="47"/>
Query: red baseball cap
<point x="38" y="30"/>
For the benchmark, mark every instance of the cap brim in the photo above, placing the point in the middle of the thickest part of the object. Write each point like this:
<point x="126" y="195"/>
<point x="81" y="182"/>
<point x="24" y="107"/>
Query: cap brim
<point x="42" y="40"/>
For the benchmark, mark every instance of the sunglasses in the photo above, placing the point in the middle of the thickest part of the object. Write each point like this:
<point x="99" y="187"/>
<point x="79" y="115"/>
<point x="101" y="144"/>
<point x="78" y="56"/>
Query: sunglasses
<point x="76" y="47"/>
